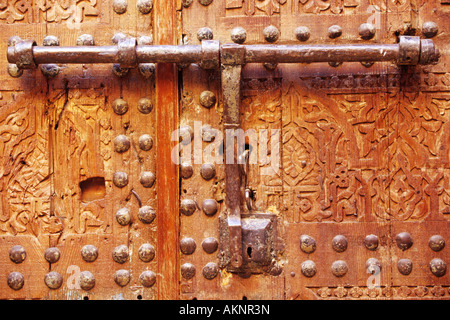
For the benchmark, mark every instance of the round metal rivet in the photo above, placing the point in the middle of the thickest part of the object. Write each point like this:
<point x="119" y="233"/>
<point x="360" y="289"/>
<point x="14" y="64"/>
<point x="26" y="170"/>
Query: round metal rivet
<point x="205" y="2"/>
<point x="187" y="207"/>
<point x="120" y="6"/>
<point x="339" y="268"/>
<point x="186" y="3"/>
<point x="87" y="280"/>
<point x="14" y="71"/>
<point x="120" y="254"/>
<point x="120" y="106"/>
<point x="17" y="254"/>
<point x="210" y="270"/>
<point x="50" y="41"/>
<point x="302" y="33"/>
<point x="210" y="245"/>
<point x="366" y="31"/>
<point x="49" y="70"/>
<point x="207" y="171"/>
<point x="147" y="278"/>
<point x="117" y="37"/>
<point x="307" y="244"/>
<point x="438" y="267"/>
<point x="208" y="133"/>
<point x="147" y="179"/>
<point x="120" y="179"/>
<point x="187" y="271"/>
<point x="210" y="207"/>
<point x="271" y="33"/>
<point x="52" y="254"/>
<point x="121" y="143"/>
<point x="404" y="266"/>
<point x="122" y="277"/>
<point x="53" y="280"/>
<point x="119" y="71"/>
<point x="373" y="266"/>
<point x="123" y="216"/>
<point x="146" y="252"/>
<point x="308" y="268"/>
<point x="404" y="240"/>
<point x="238" y="35"/>
<point x="186" y="170"/>
<point x="85" y="40"/>
<point x="187" y="246"/>
<point x="145" y="105"/>
<point x="145" y="142"/>
<point x="89" y="253"/>
<point x="334" y="64"/>
<point x="430" y="29"/>
<point x="145" y="6"/>
<point x="204" y="33"/>
<point x="270" y="66"/>
<point x="339" y="243"/>
<point x="436" y="243"/>
<point x="367" y="64"/>
<point x="371" y="242"/>
<point x="15" y="280"/>
<point x="147" y="70"/>
<point x="334" y="31"/>
<point x="146" y="214"/>
<point x="186" y="135"/>
<point x="207" y="99"/>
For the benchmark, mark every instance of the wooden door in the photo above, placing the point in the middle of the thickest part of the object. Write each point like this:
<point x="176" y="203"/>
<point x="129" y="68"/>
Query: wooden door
<point x="93" y="204"/>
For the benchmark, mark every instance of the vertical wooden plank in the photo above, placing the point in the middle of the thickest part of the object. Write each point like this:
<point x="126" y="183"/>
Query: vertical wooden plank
<point x="166" y="85"/>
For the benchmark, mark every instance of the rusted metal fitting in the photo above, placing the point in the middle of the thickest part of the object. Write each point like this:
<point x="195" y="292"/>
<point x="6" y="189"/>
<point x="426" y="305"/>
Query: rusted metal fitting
<point x="210" y="54"/>
<point x="413" y="50"/>
<point x="429" y="54"/>
<point x="232" y="54"/>
<point x="21" y="54"/>
<point x="127" y="52"/>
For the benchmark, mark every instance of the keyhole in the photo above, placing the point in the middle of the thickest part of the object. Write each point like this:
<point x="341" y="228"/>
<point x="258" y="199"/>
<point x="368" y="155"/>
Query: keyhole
<point x="249" y="252"/>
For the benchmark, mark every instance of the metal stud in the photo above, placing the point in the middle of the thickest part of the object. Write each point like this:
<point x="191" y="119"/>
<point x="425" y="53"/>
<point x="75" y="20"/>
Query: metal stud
<point x="50" y="70"/>
<point x="339" y="243"/>
<point x="187" y="246"/>
<point x="334" y="32"/>
<point x="307" y="244"/>
<point x="53" y="280"/>
<point x="15" y="280"/>
<point x="145" y="105"/>
<point x="204" y="33"/>
<point x="147" y="179"/>
<point x="367" y="64"/>
<point x="308" y="268"/>
<point x="122" y="277"/>
<point x="404" y="240"/>
<point x="186" y="135"/>
<point x="120" y="179"/>
<point x="119" y="71"/>
<point x="121" y="143"/>
<point x="438" y="267"/>
<point x="120" y="6"/>
<point x="85" y="40"/>
<point x="207" y="99"/>
<point x="436" y="243"/>
<point x="270" y="65"/>
<point x="147" y="70"/>
<point x="120" y="106"/>
<point x="366" y="31"/>
<point x="17" y="254"/>
<point x="87" y="280"/>
<point x="238" y="35"/>
<point x="207" y="171"/>
<point x="89" y="253"/>
<point x="186" y="3"/>
<point x="404" y="266"/>
<point x="14" y="71"/>
<point x="205" y="2"/>
<point x="371" y="242"/>
<point x="210" y="207"/>
<point x="335" y="64"/>
<point x="50" y="41"/>
<point x="52" y="254"/>
<point x="146" y="214"/>
<point x="145" y="6"/>
<point x="145" y="142"/>
<point x="147" y="278"/>
<point x="430" y="29"/>
<point x="210" y="270"/>
<point x="146" y="252"/>
<point x="186" y="170"/>
<point x="271" y="33"/>
<point x="339" y="268"/>
<point x="120" y="254"/>
<point x="302" y="33"/>
<point x="188" y="207"/>
<point x="123" y="216"/>
<point x="208" y="133"/>
<point x="373" y="266"/>
<point x="210" y="245"/>
<point x="187" y="271"/>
